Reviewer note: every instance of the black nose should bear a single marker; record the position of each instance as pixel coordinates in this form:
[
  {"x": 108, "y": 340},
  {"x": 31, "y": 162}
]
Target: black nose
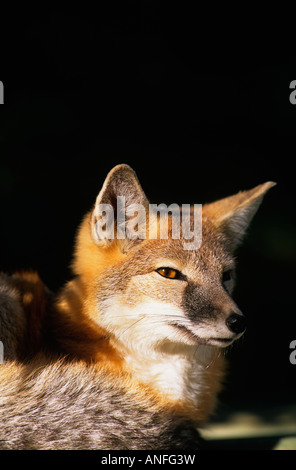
[{"x": 236, "y": 323}]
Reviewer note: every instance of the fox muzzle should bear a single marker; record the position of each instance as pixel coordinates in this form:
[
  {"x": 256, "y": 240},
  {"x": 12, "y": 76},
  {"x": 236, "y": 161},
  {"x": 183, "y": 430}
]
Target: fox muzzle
[{"x": 236, "y": 323}]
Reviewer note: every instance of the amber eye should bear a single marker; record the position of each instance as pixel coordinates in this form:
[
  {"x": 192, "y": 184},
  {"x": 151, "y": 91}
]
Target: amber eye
[
  {"x": 227, "y": 276},
  {"x": 169, "y": 273}
]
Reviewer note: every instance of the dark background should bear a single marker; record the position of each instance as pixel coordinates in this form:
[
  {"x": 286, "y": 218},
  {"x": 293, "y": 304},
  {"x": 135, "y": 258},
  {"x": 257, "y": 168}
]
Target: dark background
[{"x": 199, "y": 107}]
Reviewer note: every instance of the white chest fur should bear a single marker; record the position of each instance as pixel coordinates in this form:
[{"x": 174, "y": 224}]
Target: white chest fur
[
  {"x": 181, "y": 375},
  {"x": 153, "y": 351}
]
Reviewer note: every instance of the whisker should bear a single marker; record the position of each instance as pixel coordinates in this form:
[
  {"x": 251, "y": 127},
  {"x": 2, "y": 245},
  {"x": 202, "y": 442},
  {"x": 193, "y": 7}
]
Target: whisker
[
  {"x": 130, "y": 326},
  {"x": 166, "y": 317}
]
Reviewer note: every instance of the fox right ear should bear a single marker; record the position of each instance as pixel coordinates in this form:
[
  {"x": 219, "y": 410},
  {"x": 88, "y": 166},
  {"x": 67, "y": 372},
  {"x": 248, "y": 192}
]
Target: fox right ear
[
  {"x": 232, "y": 215},
  {"x": 121, "y": 190}
]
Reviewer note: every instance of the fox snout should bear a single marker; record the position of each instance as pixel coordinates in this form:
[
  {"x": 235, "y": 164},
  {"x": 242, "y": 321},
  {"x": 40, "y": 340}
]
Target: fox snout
[
  {"x": 214, "y": 315},
  {"x": 236, "y": 323},
  {"x": 232, "y": 321}
]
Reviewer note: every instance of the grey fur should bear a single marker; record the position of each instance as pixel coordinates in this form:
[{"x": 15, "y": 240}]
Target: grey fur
[{"x": 70, "y": 406}]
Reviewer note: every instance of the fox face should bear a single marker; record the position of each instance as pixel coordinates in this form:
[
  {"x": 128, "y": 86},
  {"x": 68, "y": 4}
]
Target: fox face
[
  {"x": 166, "y": 296},
  {"x": 149, "y": 292}
]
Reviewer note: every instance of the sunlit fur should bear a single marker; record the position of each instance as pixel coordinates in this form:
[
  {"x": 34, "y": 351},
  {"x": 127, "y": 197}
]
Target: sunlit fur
[
  {"x": 118, "y": 294},
  {"x": 164, "y": 337}
]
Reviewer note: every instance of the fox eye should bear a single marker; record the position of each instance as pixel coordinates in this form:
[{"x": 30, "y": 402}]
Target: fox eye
[
  {"x": 170, "y": 273},
  {"x": 227, "y": 276}
]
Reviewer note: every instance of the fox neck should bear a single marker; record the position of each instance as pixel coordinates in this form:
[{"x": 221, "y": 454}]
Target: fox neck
[{"x": 188, "y": 376}]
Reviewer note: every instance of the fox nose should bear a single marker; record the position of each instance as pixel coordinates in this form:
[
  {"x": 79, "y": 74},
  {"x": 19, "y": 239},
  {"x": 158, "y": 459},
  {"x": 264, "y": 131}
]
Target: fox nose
[{"x": 236, "y": 323}]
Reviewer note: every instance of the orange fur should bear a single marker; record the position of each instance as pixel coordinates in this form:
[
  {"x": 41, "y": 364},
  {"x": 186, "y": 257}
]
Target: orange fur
[{"x": 71, "y": 323}]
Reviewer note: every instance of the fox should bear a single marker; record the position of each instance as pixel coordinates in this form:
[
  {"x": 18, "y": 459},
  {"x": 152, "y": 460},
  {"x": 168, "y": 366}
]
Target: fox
[{"x": 129, "y": 354}]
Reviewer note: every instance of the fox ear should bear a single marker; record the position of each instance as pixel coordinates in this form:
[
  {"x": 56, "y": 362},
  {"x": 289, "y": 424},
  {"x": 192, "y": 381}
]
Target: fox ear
[
  {"x": 120, "y": 197},
  {"x": 233, "y": 214}
]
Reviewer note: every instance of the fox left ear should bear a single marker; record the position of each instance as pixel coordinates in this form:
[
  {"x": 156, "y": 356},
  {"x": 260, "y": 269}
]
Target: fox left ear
[
  {"x": 233, "y": 214},
  {"x": 120, "y": 197}
]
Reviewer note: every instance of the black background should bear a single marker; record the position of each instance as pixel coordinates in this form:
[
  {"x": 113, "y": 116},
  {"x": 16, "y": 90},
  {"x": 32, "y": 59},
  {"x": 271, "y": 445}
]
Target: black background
[{"x": 197, "y": 105}]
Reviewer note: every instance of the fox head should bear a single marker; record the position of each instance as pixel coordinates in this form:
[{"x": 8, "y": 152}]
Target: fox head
[{"x": 146, "y": 289}]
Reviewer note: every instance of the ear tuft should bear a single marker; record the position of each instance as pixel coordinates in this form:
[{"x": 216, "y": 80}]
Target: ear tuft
[{"x": 232, "y": 215}]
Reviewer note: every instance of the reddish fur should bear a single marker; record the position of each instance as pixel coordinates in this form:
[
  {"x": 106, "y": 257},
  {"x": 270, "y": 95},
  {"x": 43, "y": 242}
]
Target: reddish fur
[
  {"x": 33, "y": 295},
  {"x": 67, "y": 325}
]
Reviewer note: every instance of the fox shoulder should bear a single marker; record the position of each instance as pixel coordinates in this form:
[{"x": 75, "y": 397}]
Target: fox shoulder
[{"x": 83, "y": 409}]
